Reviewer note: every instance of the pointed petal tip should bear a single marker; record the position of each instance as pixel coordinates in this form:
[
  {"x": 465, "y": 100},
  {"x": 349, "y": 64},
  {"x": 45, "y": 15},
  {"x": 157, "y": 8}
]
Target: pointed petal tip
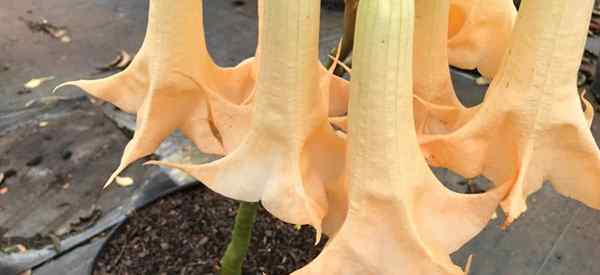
[
  {"x": 318, "y": 235},
  {"x": 116, "y": 173},
  {"x": 68, "y": 83},
  {"x": 88, "y": 86},
  {"x": 110, "y": 180},
  {"x": 152, "y": 162},
  {"x": 468, "y": 264}
]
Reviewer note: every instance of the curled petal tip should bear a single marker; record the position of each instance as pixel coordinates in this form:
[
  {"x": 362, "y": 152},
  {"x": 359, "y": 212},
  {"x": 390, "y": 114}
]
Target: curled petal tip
[
  {"x": 152, "y": 162},
  {"x": 318, "y": 235},
  {"x": 61, "y": 85},
  {"x": 468, "y": 264}
]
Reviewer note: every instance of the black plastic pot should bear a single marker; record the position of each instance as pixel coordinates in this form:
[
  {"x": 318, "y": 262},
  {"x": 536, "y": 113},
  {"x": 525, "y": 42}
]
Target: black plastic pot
[{"x": 149, "y": 191}]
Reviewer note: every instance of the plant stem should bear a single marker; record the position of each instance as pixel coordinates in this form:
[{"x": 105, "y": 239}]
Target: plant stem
[
  {"x": 231, "y": 263},
  {"x": 348, "y": 36}
]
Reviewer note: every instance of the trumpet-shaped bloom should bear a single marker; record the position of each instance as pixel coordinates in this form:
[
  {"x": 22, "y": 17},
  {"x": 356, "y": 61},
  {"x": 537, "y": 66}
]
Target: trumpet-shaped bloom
[
  {"x": 433, "y": 89},
  {"x": 173, "y": 83},
  {"x": 398, "y": 214},
  {"x": 479, "y": 33},
  {"x": 530, "y": 128},
  {"x": 291, "y": 159},
  {"x": 431, "y": 77},
  {"x": 470, "y": 34}
]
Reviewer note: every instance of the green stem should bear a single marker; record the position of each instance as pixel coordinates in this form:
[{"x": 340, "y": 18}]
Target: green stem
[
  {"x": 348, "y": 36},
  {"x": 231, "y": 263}
]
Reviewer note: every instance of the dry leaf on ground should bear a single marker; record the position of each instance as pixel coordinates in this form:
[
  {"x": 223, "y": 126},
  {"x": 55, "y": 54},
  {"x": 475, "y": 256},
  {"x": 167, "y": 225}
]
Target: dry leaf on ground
[{"x": 120, "y": 62}]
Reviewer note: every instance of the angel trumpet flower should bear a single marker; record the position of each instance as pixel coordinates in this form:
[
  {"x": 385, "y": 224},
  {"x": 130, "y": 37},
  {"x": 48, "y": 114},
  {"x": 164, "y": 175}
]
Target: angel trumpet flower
[
  {"x": 398, "y": 213},
  {"x": 433, "y": 88},
  {"x": 174, "y": 84},
  {"x": 530, "y": 127},
  {"x": 432, "y": 81},
  {"x": 471, "y": 34},
  {"x": 291, "y": 158},
  {"x": 479, "y": 33}
]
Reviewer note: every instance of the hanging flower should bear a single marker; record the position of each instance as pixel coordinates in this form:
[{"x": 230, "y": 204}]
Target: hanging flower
[
  {"x": 291, "y": 159},
  {"x": 401, "y": 219},
  {"x": 433, "y": 89},
  {"x": 530, "y": 127},
  {"x": 173, "y": 83}
]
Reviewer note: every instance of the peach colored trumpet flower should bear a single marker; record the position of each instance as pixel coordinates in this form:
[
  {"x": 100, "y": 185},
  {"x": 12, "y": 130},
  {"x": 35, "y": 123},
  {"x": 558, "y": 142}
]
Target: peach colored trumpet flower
[
  {"x": 530, "y": 128},
  {"x": 433, "y": 87},
  {"x": 398, "y": 214},
  {"x": 476, "y": 34},
  {"x": 479, "y": 33},
  {"x": 173, "y": 83},
  {"x": 431, "y": 77},
  {"x": 291, "y": 158}
]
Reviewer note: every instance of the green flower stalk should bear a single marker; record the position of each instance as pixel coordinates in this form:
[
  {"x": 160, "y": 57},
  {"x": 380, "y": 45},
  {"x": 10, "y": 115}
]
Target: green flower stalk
[{"x": 231, "y": 263}]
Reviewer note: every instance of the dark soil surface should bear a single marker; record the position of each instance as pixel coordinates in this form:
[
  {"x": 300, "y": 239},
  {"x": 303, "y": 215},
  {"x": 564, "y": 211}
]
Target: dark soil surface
[{"x": 186, "y": 233}]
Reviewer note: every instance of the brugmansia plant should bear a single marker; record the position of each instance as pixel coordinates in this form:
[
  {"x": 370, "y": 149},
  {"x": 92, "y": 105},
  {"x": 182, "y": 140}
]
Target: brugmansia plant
[{"x": 370, "y": 189}]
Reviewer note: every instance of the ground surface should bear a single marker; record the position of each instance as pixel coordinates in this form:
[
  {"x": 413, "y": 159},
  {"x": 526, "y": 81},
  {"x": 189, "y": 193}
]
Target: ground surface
[
  {"x": 556, "y": 235},
  {"x": 55, "y": 166},
  {"x": 185, "y": 234}
]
